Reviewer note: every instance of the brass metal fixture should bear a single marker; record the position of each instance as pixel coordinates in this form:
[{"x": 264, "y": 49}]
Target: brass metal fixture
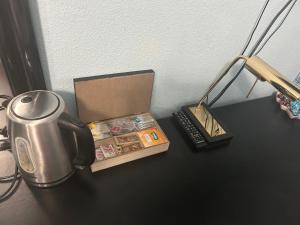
[{"x": 263, "y": 72}]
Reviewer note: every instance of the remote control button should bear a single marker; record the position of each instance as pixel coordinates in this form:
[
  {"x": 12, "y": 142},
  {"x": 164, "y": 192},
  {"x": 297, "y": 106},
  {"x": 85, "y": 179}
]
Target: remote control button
[{"x": 190, "y": 129}]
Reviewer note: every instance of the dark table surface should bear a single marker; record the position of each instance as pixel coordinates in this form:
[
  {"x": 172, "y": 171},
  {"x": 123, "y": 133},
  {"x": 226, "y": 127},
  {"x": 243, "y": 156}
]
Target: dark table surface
[{"x": 254, "y": 180}]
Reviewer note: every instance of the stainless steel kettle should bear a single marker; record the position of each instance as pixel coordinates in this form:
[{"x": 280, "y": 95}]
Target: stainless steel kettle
[{"x": 47, "y": 143}]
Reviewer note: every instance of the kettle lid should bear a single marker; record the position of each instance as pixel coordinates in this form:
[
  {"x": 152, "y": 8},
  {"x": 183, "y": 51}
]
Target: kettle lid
[{"x": 35, "y": 105}]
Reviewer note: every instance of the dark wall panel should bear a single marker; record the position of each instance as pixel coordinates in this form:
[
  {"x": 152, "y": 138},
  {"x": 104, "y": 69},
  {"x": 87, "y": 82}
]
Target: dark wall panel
[{"x": 18, "y": 48}]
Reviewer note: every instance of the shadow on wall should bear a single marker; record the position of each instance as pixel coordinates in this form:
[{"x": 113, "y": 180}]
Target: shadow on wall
[
  {"x": 177, "y": 89},
  {"x": 69, "y": 99},
  {"x": 37, "y": 28}
]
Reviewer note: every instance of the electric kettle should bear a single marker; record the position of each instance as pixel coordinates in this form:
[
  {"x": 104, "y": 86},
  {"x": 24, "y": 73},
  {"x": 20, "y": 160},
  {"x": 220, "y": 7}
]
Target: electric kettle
[{"x": 47, "y": 143}]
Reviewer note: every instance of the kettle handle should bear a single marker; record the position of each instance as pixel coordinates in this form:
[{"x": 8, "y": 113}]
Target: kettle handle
[{"x": 85, "y": 142}]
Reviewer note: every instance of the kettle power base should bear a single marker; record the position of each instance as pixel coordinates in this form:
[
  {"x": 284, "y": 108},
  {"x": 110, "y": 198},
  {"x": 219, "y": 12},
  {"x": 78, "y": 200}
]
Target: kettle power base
[
  {"x": 202, "y": 127},
  {"x": 51, "y": 184}
]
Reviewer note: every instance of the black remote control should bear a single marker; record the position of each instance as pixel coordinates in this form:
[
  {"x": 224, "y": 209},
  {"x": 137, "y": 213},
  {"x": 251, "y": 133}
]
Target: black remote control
[{"x": 190, "y": 130}]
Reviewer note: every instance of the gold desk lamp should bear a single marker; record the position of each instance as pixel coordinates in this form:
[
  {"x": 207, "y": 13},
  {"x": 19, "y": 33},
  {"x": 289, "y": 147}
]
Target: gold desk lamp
[{"x": 206, "y": 121}]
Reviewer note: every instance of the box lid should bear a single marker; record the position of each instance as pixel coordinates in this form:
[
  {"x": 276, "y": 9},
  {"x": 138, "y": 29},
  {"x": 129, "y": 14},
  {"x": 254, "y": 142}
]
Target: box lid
[{"x": 114, "y": 95}]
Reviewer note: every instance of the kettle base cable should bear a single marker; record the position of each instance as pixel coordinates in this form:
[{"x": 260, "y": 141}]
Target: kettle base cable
[
  {"x": 15, "y": 183},
  {"x": 14, "y": 179}
]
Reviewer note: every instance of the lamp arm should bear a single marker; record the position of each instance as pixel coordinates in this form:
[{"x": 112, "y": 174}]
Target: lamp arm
[
  {"x": 213, "y": 85},
  {"x": 263, "y": 72}
]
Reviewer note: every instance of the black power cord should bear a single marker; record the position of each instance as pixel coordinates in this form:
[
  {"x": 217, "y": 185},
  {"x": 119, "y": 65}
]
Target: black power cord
[
  {"x": 241, "y": 53},
  {"x": 258, "y": 43},
  {"x": 4, "y": 144},
  {"x": 14, "y": 179},
  {"x": 277, "y": 28},
  {"x": 255, "y": 26},
  {"x": 5, "y": 102}
]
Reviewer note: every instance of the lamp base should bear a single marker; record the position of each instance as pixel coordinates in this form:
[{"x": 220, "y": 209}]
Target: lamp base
[{"x": 204, "y": 120}]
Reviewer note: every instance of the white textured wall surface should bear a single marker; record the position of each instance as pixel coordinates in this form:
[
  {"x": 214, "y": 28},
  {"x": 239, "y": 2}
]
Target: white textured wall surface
[{"x": 186, "y": 42}]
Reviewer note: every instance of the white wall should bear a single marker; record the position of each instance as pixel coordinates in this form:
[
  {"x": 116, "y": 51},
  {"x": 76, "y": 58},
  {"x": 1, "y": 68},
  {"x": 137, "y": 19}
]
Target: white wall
[{"x": 186, "y": 42}]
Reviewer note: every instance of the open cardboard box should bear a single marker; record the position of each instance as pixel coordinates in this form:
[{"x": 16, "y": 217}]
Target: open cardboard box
[{"x": 119, "y": 97}]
